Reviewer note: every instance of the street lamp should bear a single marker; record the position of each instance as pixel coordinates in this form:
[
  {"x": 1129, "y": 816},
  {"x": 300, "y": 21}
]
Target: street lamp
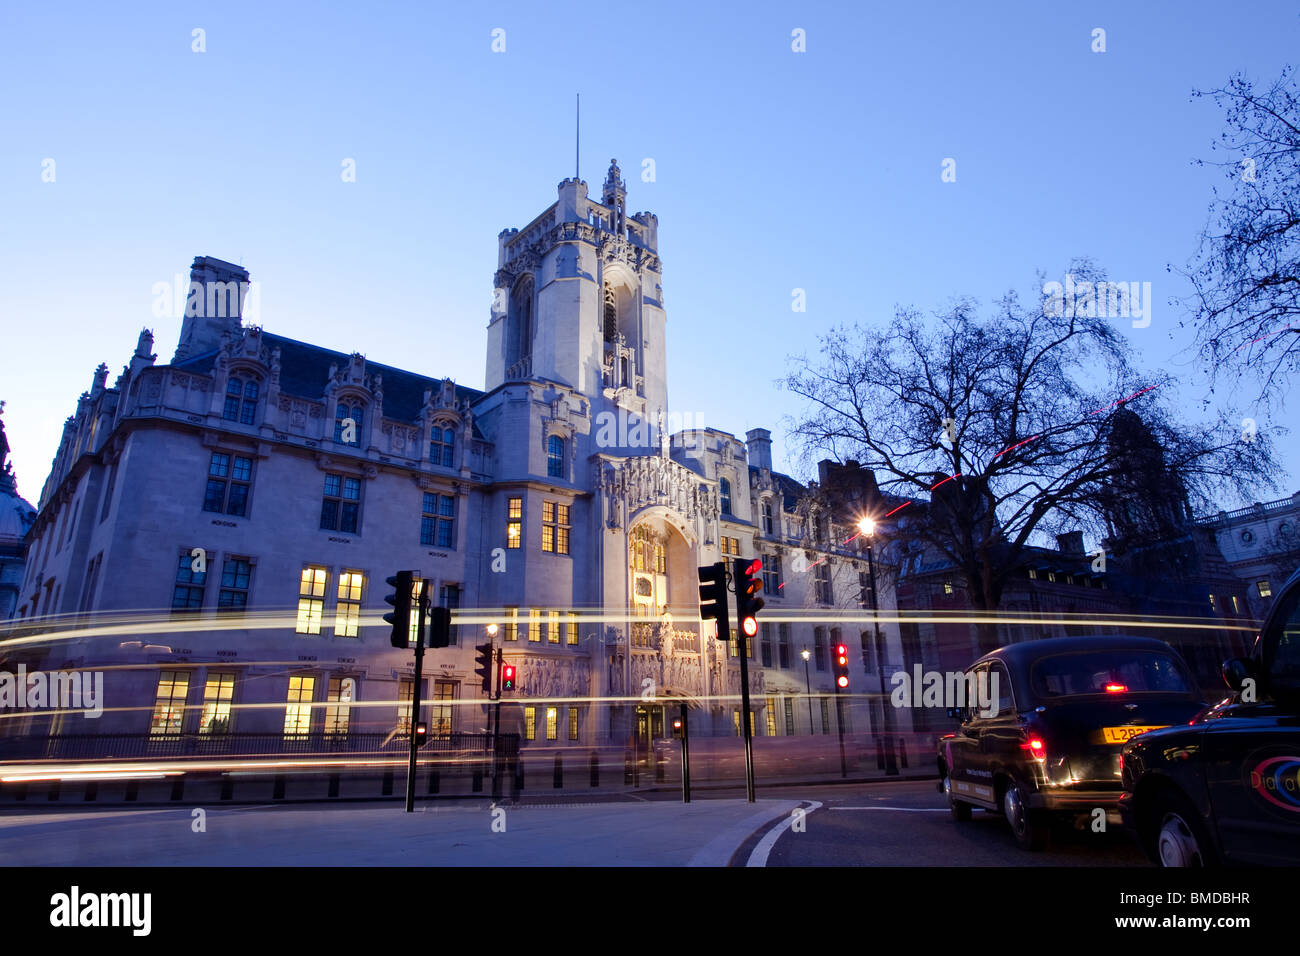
[
  {"x": 805, "y": 654},
  {"x": 868, "y": 527}
]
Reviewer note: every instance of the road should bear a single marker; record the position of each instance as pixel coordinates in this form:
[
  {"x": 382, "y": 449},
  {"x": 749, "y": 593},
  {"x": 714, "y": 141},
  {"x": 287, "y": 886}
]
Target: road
[{"x": 896, "y": 824}]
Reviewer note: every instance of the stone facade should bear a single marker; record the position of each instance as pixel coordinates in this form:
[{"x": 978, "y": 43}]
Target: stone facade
[{"x": 258, "y": 490}]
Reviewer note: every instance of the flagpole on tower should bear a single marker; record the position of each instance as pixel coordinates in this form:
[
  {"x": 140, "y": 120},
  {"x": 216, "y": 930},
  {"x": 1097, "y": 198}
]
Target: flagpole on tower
[{"x": 577, "y": 130}]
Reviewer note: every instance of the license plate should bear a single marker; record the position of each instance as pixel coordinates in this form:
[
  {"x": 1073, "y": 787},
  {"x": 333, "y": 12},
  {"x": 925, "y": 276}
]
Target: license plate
[{"x": 1119, "y": 735}]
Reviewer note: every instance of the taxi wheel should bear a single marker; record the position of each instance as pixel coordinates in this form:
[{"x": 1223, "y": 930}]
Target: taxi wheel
[
  {"x": 1180, "y": 840},
  {"x": 960, "y": 811},
  {"x": 1028, "y": 827}
]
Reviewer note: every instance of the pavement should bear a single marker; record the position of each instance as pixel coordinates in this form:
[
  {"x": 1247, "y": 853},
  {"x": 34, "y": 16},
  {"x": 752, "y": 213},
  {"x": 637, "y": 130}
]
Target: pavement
[{"x": 638, "y": 833}]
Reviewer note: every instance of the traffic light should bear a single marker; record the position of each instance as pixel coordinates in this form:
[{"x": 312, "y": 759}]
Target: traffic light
[
  {"x": 440, "y": 627},
  {"x": 841, "y": 666},
  {"x": 483, "y": 665},
  {"x": 421, "y": 734},
  {"x": 400, "y": 616},
  {"x": 749, "y": 582},
  {"x": 507, "y": 677},
  {"x": 713, "y": 597}
]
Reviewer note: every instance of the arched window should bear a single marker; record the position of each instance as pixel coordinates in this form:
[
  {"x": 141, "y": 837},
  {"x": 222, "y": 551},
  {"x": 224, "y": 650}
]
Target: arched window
[
  {"x": 767, "y": 516},
  {"x": 724, "y": 489},
  {"x": 611, "y": 314},
  {"x": 442, "y": 445},
  {"x": 241, "y": 400},
  {"x": 555, "y": 457},
  {"x": 520, "y": 329},
  {"x": 343, "y": 414}
]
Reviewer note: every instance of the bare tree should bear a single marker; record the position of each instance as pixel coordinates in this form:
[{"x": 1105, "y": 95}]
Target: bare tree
[
  {"x": 1246, "y": 274},
  {"x": 1006, "y": 426}
]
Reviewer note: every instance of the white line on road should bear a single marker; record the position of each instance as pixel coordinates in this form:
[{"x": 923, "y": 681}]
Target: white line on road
[
  {"x": 759, "y": 856},
  {"x": 899, "y": 809}
]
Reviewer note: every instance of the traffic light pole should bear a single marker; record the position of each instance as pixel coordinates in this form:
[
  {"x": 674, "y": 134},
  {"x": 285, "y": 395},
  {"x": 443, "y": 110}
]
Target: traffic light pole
[
  {"x": 891, "y": 764},
  {"x": 839, "y": 719},
  {"x": 416, "y": 702},
  {"x": 496, "y": 730},
  {"x": 744, "y": 703},
  {"x": 686, "y": 756}
]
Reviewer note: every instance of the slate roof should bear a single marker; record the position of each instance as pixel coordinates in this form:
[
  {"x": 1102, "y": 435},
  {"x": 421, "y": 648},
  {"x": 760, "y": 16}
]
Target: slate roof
[{"x": 304, "y": 372}]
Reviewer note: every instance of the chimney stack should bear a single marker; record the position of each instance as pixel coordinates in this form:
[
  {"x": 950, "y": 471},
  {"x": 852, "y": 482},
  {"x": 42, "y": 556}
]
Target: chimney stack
[{"x": 759, "y": 443}]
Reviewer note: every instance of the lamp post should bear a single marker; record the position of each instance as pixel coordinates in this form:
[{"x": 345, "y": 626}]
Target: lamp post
[
  {"x": 805, "y": 654},
  {"x": 868, "y": 528}
]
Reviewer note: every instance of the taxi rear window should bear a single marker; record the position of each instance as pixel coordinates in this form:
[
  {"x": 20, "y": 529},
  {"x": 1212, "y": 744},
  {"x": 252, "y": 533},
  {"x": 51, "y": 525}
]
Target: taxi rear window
[{"x": 1089, "y": 672}]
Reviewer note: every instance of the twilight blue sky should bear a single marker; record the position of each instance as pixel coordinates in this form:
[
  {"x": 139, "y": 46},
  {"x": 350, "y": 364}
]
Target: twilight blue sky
[{"x": 775, "y": 170}]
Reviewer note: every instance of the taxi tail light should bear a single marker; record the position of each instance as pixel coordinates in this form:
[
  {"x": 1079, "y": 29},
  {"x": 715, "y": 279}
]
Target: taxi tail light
[
  {"x": 1114, "y": 687},
  {"x": 1037, "y": 749}
]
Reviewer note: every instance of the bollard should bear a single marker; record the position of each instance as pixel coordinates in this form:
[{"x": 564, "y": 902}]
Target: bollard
[
  {"x": 595, "y": 770},
  {"x": 178, "y": 789},
  {"x": 557, "y": 781},
  {"x": 519, "y": 775},
  {"x": 434, "y": 782},
  {"x": 476, "y": 782},
  {"x": 92, "y": 791},
  {"x": 334, "y": 785},
  {"x": 902, "y": 752},
  {"x": 227, "y": 789},
  {"x": 277, "y": 792},
  {"x": 387, "y": 789},
  {"x": 659, "y": 767},
  {"x": 880, "y": 754},
  {"x": 627, "y": 768}
]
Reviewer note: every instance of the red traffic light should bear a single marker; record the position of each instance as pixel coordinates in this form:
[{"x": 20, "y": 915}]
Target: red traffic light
[
  {"x": 750, "y": 625},
  {"x": 507, "y": 676},
  {"x": 842, "y": 680}
]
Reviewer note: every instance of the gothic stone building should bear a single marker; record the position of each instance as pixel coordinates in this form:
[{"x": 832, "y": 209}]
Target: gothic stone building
[{"x": 259, "y": 490}]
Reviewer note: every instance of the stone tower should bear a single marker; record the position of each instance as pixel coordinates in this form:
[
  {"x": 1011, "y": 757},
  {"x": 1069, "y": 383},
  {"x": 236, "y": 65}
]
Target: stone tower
[{"x": 578, "y": 301}]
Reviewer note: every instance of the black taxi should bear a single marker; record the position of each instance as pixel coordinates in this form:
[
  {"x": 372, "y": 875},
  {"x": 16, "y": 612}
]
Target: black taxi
[
  {"x": 1226, "y": 788},
  {"x": 1049, "y": 745}
]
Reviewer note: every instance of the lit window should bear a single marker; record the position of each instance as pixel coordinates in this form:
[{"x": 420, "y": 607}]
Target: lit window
[
  {"x": 218, "y": 692},
  {"x": 338, "y": 714},
  {"x": 571, "y": 629},
  {"x": 553, "y": 632},
  {"x": 1265, "y": 589},
  {"x": 346, "y": 415},
  {"x": 341, "y": 504},
  {"x": 443, "y": 691},
  {"x": 1236, "y": 607},
  {"x": 552, "y": 719},
  {"x": 348, "y": 619},
  {"x": 1051, "y": 576},
  {"x": 297, "y": 715},
  {"x": 241, "y": 401},
  {"x": 512, "y": 624},
  {"x": 947, "y": 586},
  {"x": 169, "y": 703},
  {"x": 311, "y": 599},
  {"x": 442, "y": 445},
  {"x": 770, "y": 713},
  {"x": 555, "y": 527},
  {"x": 187, "y": 595},
  {"x": 406, "y": 695},
  {"x": 229, "y": 478},
  {"x": 1212, "y": 604},
  {"x": 573, "y": 722},
  {"x": 438, "y": 521},
  {"x": 514, "y": 522},
  {"x": 534, "y": 625},
  {"x": 530, "y": 723},
  {"x": 555, "y": 457},
  {"x": 1033, "y": 574}
]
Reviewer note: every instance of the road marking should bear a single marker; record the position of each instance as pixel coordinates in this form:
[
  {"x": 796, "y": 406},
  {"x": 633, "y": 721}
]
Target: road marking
[
  {"x": 899, "y": 809},
  {"x": 764, "y": 847}
]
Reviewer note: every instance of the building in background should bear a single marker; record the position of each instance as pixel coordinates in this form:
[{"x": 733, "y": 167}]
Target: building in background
[
  {"x": 258, "y": 490},
  {"x": 16, "y": 519}
]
